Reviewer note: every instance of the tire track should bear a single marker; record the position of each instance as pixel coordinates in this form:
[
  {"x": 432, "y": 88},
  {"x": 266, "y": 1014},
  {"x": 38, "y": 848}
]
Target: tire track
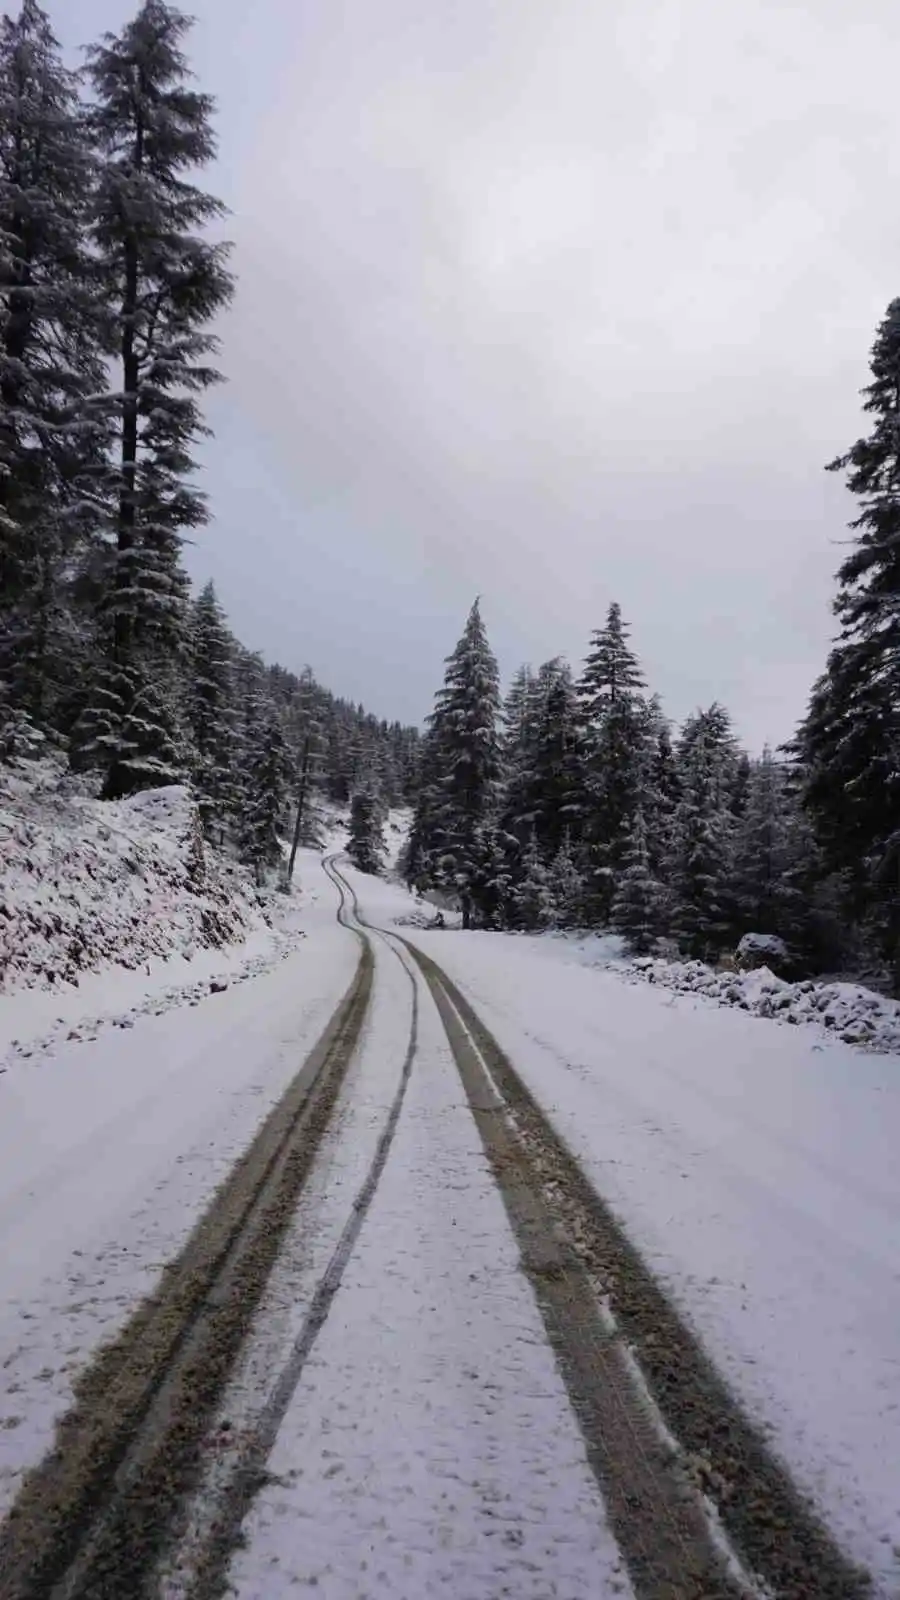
[
  {"x": 91, "y": 1518},
  {"x": 247, "y": 1472},
  {"x": 576, "y": 1255}
]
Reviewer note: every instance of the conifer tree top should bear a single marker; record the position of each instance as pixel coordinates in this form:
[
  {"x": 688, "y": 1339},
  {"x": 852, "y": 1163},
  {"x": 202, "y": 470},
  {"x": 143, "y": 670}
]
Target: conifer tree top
[
  {"x": 870, "y": 576},
  {"x": 141, "y": 77},
  {"x": 611, "y": 671}
]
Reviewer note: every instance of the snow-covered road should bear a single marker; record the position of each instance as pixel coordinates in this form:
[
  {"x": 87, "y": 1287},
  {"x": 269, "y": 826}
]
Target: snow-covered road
[
  {"x": 111, "y": 1148},
  {"x": 420, "y": 1437},
  {"x": 429, "y": 1448},
  {"x": 756, "y": 1168}
]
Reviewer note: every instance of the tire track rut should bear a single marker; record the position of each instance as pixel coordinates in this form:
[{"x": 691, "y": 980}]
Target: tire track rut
[
  {"x": 578, "y": 1258},
  {"x": 90, "y": 1520}
]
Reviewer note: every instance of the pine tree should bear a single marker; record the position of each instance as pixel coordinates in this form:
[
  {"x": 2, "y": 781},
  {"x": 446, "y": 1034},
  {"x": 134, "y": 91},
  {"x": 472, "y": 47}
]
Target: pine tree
[
  {"x": 210, "y": 713},
  {"x": 466, "y": 757},
  {"x": 658, "y": 791},
  {"x": 637, "y": 907},
  {"x": 611, "y": 671},
  {"x": 612, "y": 719},
  {"x": 518, "y": 743},
  {"x": 566, "y": 887},
  {"x": 849, "y": 744},
  {"x": 702, "y": 912},
  {"x": 165, "y": 283},
  {"x": 417, "y": 864},
  {"x": 533, "y": 905},
  {"x": 773, "y": 858},
  {"x": 52, "y": 431},
  {"x": 266, "y": 795},
  {"x": 366, "y": 846},
  {"x": 550, "y": 786}
]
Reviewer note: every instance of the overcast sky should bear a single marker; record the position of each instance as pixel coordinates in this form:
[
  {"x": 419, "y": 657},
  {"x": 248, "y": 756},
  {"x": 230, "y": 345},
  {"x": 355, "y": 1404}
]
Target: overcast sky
[{"x": 558, "y": 301}]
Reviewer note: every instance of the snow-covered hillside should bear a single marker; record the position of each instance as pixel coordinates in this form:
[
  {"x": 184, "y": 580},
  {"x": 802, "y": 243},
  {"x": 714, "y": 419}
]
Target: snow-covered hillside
[{"x": 87, "y": 885}]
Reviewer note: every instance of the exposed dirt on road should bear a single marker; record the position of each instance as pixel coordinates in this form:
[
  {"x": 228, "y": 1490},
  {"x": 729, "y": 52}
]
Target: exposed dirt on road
[
  {"x": 90, "y": 1519},
  {"x": 578, "y": 1256}
]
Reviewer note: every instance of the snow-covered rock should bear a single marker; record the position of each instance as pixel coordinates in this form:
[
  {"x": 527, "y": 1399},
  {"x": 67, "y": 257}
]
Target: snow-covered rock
[
  {"x": 854, "y": 1014},
  {"x": 86, "y": 884},
  {"x": 762, "y": 950}
]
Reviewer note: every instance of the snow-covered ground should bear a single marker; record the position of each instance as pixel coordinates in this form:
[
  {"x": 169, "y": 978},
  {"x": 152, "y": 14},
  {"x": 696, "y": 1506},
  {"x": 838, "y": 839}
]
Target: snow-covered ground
[
  {"x": 108, "y": 913},
  {"x": 854, "y": 1014},
  {"x": 429, "y": 1448},
  {"x": 110, "y": 1149},
  {"x": 755, "y": 1165},
  {"x": 86, "y": 886}
]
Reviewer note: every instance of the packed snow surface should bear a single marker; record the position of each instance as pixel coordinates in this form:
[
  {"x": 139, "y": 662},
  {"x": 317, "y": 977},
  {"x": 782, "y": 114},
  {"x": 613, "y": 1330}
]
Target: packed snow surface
[
  {"x": 430, "y": 1448},
  {"x": 111, "y": 1145},
  {"x": 754, "y": 1165}
]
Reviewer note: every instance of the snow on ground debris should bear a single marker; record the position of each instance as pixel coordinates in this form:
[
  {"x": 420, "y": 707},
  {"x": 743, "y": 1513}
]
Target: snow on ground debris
[
  {"x": 88, "y": 884},
  {"x": 854, "y": 1014}
]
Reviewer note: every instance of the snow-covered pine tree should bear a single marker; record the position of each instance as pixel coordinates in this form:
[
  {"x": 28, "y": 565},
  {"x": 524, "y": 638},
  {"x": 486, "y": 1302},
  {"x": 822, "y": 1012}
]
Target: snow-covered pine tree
[
  {"x": 365, "y": 845},
  {"x": 556, "y": 791},
  {"x": 165, "y": 282},
  {"x": 773, "y": 858},
  {"x": 210, "y": 705},
  {"x": 612, "y": 720},
  {"x": 566, "y": 887},
  {"x": 849, "y": 744},
  {"x": 659, "y": 790},
  {"x": 52, "y": 432},
  {"x": 518, "y": 740},
  {"x": 542, "y": 791},
  {"x": 417, "y": 859},
  {"x": 268, "y": 785},
  {"x": 702, "y": 911},
  {"x": 741, "y": 783},
  {"x": 532, "y": 903},
  {"x": 637, "y": 906},
  {"x": 468, "y": 764}
]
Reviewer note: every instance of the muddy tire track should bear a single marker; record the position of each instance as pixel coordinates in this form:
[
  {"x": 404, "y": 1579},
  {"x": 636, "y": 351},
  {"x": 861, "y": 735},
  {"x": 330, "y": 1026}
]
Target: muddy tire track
[
  {"x": 90, "y": 1520},
  {"x": 247, "y": 1473},
  {"x": 578, "y": 1256}
]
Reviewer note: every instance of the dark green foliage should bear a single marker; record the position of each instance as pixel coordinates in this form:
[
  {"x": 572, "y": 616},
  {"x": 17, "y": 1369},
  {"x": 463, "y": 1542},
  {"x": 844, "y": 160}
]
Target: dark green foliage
[
  {"x": 164, "y": 282},
  {"x": 453, "y": 831},
  {"x": 210, "y": 713},
  {"x": 366, "y": 846},
  {"x": 613, "y": 725},
  {"x": 774, "y": 858},
  {"x": 637, "y": 906},
  {"x": 52, "y": 434},
  {"x": 702, "y": 916},
  {"x": 264, "y": 807},
  {"x": 849, "y": 744}
]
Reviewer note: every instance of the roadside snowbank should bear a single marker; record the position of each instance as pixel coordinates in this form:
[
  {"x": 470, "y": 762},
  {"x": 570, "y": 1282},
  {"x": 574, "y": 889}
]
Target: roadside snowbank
[
  {"x": 111, "y": 1149},
  {"x": 87, "y": 885},
  {"x": 855, "y": 1015}
]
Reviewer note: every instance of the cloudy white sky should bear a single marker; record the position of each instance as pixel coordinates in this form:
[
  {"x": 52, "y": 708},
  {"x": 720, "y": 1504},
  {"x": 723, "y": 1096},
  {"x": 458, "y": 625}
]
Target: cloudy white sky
[{"x": 555, "y": 302}]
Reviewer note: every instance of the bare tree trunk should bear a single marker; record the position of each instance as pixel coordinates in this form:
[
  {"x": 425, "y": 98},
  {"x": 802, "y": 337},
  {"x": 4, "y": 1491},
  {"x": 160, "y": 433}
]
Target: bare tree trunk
[{"x": 298, "y": 822}]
